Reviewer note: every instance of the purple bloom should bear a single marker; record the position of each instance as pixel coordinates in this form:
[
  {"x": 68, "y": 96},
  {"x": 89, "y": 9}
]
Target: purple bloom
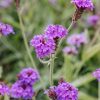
[
  {"x": 93, "y": 20},
  {"x": 77, "y": 40},
  {"x": 84, "y": 4},
  {"x": 22, "y": 90},
  {"x": 70, "y": 50},
  {"x": 5, "y": 3},
  {"x": 4, "y": 89},
  {"x": 64, "y": 91},
  {"x": 43, "y": 45},
  {"x": 96, "y": 74},
  {"x": 28, "y": 75},
  {"x": 6, "y": 29},
  {"x": 56, "y": 31}
]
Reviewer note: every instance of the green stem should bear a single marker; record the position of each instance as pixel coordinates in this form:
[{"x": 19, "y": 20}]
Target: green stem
[
  {"x": 70, "y": 26},
  {"x": 51, "y": 70},
  {"x": 98, "y": 90},
  {"x": 25, "y": 40}
]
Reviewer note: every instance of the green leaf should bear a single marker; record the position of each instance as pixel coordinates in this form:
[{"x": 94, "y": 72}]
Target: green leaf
[{"x": 68, "y": 68}]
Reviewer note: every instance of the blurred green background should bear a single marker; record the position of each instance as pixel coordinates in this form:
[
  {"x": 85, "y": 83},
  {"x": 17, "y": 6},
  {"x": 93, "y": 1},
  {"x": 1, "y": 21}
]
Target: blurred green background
[{"x": 36, "y": 15}]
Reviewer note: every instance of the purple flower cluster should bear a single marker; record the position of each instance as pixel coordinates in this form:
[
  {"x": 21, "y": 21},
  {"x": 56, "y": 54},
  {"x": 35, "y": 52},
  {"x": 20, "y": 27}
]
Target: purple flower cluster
[
  {"x": 56, "y": 31},
  {"x": 46, "y": 44},
  {"x": 28, "y": 76},
  {"x": 5, "y": 3},
  {"x": 77, "y": 40},
  {"x": 22, "y": 90},
  {"x": 23, "y": 87},
  {"x": 6, "y": 29},
  {"x": 70, "y": 50},
  {"x": 64, "y": 91},
  {"x": 93, "y": 20},
  {"x": 4, "y": 89},
  {"x": 96, "y": 74},
  {"x": 43, "y": 46},
  {"x": 84, "y": 4}
]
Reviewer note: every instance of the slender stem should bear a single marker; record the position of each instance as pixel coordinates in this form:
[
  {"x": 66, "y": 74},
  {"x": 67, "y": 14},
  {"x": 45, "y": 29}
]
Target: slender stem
[
  {"x": 70, "y": 26},
  {"x": 98, "y": 90},
  {"x": 25, "y": 40},
  {"x": 51, "y": 70}
]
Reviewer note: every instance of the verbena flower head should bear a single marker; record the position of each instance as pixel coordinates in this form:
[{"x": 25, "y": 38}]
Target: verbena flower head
[
  {"x": 56, "y": 31},
  {"x": 84, "y": 4},
  {"x": 77, "y": 39},
  {"x": 43, "y": 45},
  {"x": 70, "y": 50},
  {"x": 4, "y": 89},
  {"x": 6, "y": 29},
  {"x": 64, "y": 91},
  {"x": 21, "y": 90},
  {"x": 93, "y": 20},
  {"x": 28, "y": 75},
  {"x": 96, "y": 74}
]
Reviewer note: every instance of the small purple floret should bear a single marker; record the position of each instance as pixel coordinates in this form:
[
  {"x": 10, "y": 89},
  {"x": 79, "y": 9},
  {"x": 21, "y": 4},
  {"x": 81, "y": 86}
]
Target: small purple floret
[{"x": 96, "y": 74}]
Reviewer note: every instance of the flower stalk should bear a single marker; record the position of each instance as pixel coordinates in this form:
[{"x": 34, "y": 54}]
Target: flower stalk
[{"x": 51, "y": 70}]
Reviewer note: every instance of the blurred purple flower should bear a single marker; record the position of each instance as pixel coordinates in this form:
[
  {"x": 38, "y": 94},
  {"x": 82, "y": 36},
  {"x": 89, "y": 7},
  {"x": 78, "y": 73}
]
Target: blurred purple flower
[
  {"x": 5, "y": 3},
  {"x": 64, "y": 91},
  {"x": 93, "y": 20},
  {"x": 4, "y": 89},
  {"x": 77, "y": 39},
  {"x": 6, "y": 29},
  {"x": 70, "y": 50},
  {"x": 84, "y": 4},
  {"x": 43, "y": 45},
  {"x": 56, "y": 31},
  {"x": 22, "y": 90},
  {"x": 96, "y": 74},
  {"x": 53, "y": 2},
  {"x": 28, "y": 75}
]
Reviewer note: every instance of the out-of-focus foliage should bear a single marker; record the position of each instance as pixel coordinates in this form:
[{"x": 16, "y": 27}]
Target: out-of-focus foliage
[{"x": 37, "y": 14}]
